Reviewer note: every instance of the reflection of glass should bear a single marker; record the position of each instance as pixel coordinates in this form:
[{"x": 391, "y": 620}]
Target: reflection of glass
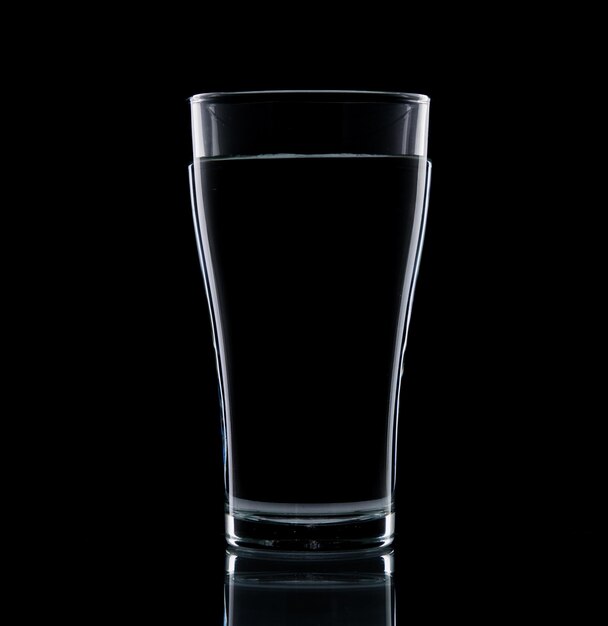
[
  {"x": 309, "y": 211},
  {"x": 264, "y": 589}
]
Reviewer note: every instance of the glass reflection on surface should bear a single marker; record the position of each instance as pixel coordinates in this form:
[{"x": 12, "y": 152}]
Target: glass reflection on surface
[{"x": 354, "y": 589}]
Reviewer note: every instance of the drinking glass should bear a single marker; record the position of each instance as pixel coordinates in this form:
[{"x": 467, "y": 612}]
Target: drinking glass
[{"x": 309, "y": 211}]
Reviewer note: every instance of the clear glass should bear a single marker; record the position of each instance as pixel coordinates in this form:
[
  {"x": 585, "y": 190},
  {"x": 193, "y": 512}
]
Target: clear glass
[
  {"x": 309, "y": 210},
  {"x": 273, "y": 589}
]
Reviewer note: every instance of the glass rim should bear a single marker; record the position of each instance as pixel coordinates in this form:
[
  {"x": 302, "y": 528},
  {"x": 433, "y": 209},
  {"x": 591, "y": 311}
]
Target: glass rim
[{"x": 300, "y": 95}]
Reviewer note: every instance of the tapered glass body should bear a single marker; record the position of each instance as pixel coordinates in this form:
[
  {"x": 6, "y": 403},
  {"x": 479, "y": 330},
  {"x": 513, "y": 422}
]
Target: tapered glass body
[{"x": 309, "y": 211}]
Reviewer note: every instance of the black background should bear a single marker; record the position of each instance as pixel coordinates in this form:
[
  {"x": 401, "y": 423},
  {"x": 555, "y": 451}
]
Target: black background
[{"x": 499, "y": 445}]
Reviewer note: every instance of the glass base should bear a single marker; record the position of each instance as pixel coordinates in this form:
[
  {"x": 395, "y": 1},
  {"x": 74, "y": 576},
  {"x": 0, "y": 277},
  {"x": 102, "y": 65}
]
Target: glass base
[{"x": 310, "y": 533}]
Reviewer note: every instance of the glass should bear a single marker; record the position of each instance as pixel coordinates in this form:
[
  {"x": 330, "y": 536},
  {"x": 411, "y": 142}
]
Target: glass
[
  {"x": 265, "y": 589},
  {"x": 309, "y": 211}
]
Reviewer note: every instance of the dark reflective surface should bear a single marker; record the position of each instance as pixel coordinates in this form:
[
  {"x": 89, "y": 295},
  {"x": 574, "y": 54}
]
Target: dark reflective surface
[{"x": 354, "y": 589}]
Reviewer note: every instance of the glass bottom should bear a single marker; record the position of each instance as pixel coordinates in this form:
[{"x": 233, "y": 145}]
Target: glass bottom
[{"x": 310, "y": 532}]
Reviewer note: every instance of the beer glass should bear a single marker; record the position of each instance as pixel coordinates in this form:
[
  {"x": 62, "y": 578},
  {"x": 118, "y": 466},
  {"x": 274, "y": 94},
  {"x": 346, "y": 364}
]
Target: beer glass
[{"x": 309, "y": 211}]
